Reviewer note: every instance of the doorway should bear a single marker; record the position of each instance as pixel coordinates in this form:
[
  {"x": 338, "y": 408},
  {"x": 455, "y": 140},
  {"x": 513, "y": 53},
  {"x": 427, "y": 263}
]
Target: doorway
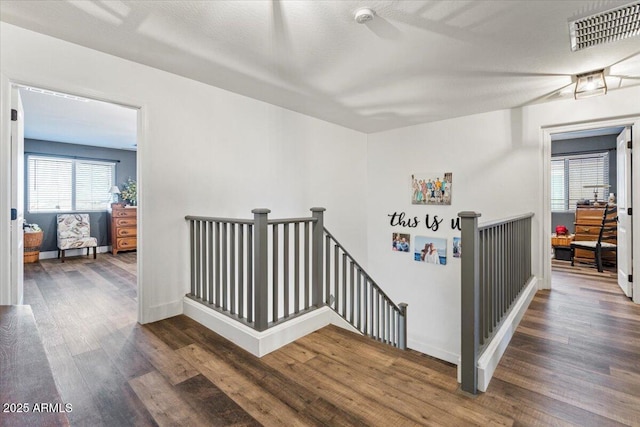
[
  {"x": 92, "y": 144},
  {"x": 585, "y": 166}
]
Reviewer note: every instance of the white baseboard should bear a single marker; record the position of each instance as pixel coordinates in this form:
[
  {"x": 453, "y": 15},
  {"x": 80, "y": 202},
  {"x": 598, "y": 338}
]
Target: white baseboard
[
  {"x": 544, "y": 283},
  {"x": 73, "y": 252},
  {"x": 262, "y": 343},
  {"x": 162, "y": 311},
  {"x": 489, "y": 360},
  {"x": 438, "y": 353}
]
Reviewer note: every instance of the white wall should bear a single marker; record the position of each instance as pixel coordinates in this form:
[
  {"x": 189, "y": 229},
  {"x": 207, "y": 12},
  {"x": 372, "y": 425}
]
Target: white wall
[
  {"x": 497, "y": 164},
  {"x": 205, "y": 151}
]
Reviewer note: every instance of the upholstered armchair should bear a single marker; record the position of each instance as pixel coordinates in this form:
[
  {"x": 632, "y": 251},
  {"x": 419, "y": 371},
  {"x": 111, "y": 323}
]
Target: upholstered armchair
[{"x": 74, "y": 232}]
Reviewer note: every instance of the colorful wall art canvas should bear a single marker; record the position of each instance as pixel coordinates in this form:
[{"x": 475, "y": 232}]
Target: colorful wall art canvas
[
  {"x": 400, "y": 242},
  {"x": 431, "y": 250},
  {"x": 457, "y": 247},
  {"x": 431, "y": 188}
]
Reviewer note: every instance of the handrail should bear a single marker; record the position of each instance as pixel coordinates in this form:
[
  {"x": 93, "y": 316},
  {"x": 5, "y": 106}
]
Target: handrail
[
  {"x": 291, "y": 220},
  {"x": 218, "y": 219},
  {"x": 248, "y": 221},
  {"x": 496, "y": 222}
]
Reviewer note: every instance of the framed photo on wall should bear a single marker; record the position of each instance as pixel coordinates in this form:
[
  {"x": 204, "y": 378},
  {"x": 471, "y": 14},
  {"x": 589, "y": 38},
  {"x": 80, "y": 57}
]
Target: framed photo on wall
[
  {"x": 432, "y": 250},
  {"x": 431, "y": 188},
  {"x": 400, "y": 242},
  {"x": 457, "y": 247}
]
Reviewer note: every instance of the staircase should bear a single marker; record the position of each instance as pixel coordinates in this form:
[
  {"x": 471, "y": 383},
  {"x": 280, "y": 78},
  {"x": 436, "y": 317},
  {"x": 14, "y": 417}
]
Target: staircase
[{"x": 271, "y": 278}]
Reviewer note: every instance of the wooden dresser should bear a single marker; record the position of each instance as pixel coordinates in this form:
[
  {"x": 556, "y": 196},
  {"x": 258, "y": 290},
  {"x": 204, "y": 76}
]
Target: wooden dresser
[
  {"x": 123, "y": 223},
  {"x": 587, "y": 226}
]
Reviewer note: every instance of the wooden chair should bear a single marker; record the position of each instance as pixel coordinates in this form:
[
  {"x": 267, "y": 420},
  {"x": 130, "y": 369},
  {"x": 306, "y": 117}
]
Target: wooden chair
[
  {"x": 74, "y": 233},
  {"x": 607, "y": 238}
]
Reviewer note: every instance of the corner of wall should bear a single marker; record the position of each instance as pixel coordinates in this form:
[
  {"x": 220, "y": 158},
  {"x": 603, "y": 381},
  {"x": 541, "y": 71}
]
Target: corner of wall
[{"x": 162, "y": 311}]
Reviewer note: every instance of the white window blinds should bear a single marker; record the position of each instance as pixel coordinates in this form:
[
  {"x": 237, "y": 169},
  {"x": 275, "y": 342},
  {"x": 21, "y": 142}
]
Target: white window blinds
[
  {"x": 573, "y": 178},
  {"x": 63, "y": 184},
  {"x": 558, "y": 193},
  {"x": 93, "y": 182},
  {"x": 50, "y": 183}
]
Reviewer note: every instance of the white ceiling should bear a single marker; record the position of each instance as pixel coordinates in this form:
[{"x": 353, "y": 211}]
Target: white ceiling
[
  {"x": 416, "y": 62},
  {"x": 49, "y": 116}
]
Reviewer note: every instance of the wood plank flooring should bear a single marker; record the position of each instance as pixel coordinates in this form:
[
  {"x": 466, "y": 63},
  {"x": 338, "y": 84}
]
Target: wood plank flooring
[
  {"x": 575, "y": 360},
  {"x": 21, "y": 354},
  {"x": 113, "y": 371}
]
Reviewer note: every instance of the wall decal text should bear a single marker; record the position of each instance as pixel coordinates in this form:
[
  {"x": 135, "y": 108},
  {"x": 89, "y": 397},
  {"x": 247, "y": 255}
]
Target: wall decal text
[{"x": 400, "y": 219}]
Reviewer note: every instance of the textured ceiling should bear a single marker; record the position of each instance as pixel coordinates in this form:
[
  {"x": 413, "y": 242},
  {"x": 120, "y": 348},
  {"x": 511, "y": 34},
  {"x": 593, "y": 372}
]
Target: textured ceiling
[
  {"x": 416, "y": 62},
  {"x": 50, "y": 117}
]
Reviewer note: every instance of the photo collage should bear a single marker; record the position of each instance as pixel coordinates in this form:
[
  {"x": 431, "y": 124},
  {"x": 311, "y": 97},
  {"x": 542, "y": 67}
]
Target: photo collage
[
  {"x": 431, "y": 250},
  {"x": 428, "y": 189}
]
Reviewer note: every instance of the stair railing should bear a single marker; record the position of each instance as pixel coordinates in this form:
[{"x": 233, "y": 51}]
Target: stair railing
[
  {"x": 355, "y": 296},
  {"x": 496, "y": 267},
  {"x": 264, "y": 271}
]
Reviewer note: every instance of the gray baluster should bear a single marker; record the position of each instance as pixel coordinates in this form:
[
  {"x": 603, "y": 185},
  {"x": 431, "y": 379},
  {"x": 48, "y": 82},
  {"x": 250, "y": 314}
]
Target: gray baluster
[
  {"x": 402, "y": 326},
  {"x": 225, "y": 266},
  {"x": 336, "y": 275},
  {"x": 203, "y": 260},
  {"x": 365, "y": 305},
  {"x": 296, "y": 267},
  {"x": 344, "y": 285},
  {"x": 388, "y": 320},
  {"x": 351, "y": 291},
  {"x": 198, "y": 259},
  {"x": 327, "y": 263},
  {"x": 193, "y": 256},
  {"x": 218, "y": 268},
  {"x": 285, "y": 271},
  {"x": 318, "y": 232},
  {"x": 232, "y": 268},
  {"x": 307, "y": 270},
  {"x": 274, "y": 272},
  {"x": 241, "y": 271},
  {"x": 371, "y": 312},
  {"x": 250, "y": 293},
  {"x": 210, "y": 261},
  {"x": 359, "y": 300}
]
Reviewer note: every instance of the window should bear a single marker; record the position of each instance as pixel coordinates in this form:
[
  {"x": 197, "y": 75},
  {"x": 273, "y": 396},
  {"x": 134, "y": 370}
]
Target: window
[
  {"x": 572, "y": 175},
  {"x": 63, "y": 184}
]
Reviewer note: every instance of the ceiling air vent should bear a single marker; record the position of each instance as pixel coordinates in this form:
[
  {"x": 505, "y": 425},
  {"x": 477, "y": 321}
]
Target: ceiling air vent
[{"x": 605, "y": 27}]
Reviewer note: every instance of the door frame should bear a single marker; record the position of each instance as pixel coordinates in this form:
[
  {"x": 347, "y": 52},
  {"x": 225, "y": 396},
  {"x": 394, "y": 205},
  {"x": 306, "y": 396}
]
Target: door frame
[
  {"x": 634, "y": 123},
  {"x": 5, "y": 190},
  {"x": 6, "y": 84},
  {"x": 17, "y": 198}
]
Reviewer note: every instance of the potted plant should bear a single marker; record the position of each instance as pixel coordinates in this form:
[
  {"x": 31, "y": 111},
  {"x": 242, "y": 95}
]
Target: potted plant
[{"x": 129, "y": 192}]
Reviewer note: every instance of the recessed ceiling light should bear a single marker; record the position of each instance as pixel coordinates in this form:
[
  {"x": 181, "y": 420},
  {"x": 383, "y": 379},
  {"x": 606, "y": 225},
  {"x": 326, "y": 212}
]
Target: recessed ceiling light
[{"x": 364, "y": 15}]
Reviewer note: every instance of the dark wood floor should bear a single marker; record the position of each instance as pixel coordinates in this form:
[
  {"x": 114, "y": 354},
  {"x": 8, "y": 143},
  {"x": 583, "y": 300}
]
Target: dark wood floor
[
  {"x": 21, "y": 354},
  {"x": 575, "y": 360}
]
